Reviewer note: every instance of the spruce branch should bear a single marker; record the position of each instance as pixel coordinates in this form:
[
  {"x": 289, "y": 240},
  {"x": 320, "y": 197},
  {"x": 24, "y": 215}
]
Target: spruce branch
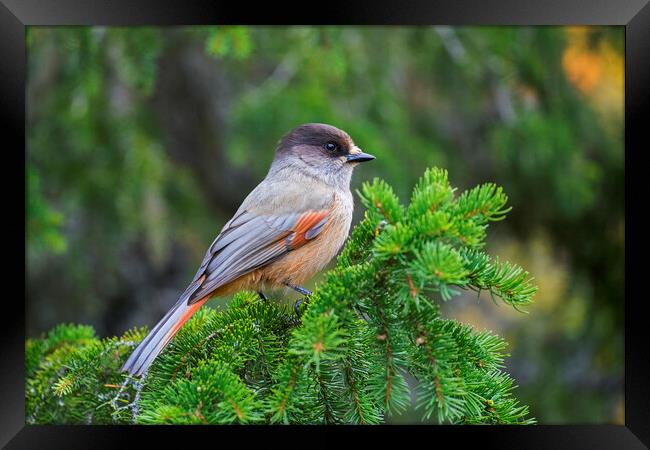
[{"x": 372, "y": 322}]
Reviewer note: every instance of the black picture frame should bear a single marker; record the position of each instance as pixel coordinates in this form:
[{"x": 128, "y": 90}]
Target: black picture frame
[{"x": 634, "y": 15}]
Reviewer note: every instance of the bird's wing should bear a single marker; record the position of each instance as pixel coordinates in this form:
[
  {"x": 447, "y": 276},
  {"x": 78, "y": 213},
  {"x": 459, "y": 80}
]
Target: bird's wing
[{"x": 249, "y": 241}]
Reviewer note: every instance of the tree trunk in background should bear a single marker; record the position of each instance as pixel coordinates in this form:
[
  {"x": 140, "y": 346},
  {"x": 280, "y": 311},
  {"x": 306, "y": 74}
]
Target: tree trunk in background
[{"x": 191, "y": 102}]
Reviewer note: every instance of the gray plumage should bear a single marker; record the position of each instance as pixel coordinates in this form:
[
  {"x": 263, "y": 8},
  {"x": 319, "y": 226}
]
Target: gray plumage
[{"x": 306, "y": 191}]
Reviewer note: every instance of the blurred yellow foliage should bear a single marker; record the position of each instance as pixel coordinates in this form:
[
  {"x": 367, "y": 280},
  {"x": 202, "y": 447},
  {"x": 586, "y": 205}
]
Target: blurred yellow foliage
[
  {"x": 596, "y": 69},
  {"x": 551, "y": 274},
  {"x": 618, "y": 416},
  {"x": 544, "y": 262}
]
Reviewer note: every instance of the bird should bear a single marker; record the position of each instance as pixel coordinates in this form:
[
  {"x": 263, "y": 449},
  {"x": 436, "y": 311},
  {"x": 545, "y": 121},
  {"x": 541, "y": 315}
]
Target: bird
[{"x": 286, "y": 230}]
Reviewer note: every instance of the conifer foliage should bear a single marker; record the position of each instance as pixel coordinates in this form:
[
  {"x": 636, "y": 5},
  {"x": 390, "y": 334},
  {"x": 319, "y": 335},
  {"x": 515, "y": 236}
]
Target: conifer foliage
[{"x": 344, "y": 359}]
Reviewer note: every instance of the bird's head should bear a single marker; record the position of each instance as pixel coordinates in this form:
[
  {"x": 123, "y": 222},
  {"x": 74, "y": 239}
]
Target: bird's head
[{"x": 321, "y": 151}]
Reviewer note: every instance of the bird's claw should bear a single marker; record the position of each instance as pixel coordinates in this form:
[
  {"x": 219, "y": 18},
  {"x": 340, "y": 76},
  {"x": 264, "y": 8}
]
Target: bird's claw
[
  {"x": 296, "y": 306},
  {"x": 303, "y": 291}
]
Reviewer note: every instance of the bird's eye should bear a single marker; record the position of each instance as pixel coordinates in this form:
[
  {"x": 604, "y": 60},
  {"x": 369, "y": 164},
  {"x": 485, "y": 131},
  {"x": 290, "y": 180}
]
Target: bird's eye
[{"x": 331, "y": 146}]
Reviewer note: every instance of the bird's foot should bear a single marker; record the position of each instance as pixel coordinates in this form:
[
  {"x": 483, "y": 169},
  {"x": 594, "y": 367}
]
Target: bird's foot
[
  {"x": 300, "y": 289},
  {"x": 296, "y": 306},
  {"x": 262, "y": 296},
  {"x": 307, "y": 293}
]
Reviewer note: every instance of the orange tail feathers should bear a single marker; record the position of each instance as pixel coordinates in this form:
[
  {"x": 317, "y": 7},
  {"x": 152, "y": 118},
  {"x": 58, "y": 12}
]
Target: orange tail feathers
[{"x": 154, "y": 343}]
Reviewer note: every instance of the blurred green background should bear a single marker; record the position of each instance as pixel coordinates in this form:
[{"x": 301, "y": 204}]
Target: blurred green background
[{"x": 143, "y": 141}]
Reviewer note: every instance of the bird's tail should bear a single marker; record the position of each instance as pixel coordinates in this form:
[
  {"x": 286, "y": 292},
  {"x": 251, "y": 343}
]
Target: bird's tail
[{"x": 151, "y": 346}]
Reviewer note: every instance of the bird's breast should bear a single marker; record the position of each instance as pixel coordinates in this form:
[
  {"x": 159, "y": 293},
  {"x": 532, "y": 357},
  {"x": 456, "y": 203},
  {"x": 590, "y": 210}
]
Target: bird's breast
[{"x": 301, "y": 264}]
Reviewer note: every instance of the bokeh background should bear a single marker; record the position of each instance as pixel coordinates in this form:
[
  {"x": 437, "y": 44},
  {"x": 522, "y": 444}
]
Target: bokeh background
[{"x": 143, "y": 141}]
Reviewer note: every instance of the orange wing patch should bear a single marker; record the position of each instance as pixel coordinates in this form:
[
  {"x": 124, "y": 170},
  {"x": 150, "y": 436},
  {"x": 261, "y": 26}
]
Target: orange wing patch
[{"x": 307, "y": 228}]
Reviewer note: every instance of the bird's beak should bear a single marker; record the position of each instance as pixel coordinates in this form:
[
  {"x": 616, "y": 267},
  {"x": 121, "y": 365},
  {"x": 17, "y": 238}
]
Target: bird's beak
[{"x": 357, "y": 156}]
